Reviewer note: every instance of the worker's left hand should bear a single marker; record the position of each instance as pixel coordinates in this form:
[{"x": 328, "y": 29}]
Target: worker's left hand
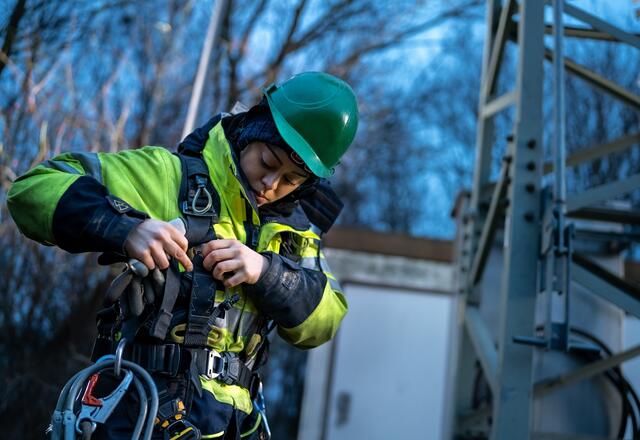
[{"x": 243, "y": 264}]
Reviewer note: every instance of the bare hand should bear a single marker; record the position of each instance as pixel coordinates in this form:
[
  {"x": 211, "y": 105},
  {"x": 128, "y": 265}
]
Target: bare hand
[
  {"x": 230, "y": 256},
  {"x": 153, "y": 241}
]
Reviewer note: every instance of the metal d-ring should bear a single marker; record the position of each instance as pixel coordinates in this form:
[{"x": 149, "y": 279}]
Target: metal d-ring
[
  {"x": 118, "y": 358},
  {"x": 195, "y": 199}
]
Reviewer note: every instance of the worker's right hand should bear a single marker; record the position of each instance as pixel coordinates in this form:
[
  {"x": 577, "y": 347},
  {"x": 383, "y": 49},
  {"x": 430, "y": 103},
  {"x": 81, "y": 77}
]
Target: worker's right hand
[{"x": 152, "y": 241}]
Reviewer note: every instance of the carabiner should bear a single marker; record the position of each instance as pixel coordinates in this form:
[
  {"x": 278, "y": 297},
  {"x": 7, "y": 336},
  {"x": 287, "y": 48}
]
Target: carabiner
[
  {"x": 259, "y": 405},
  {"x": 118, "y": 359},
  {"x": 97, "y": 410}
]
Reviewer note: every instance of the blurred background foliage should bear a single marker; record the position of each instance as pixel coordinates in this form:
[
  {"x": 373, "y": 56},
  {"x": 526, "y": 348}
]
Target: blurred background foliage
[{"x": 106, "y": 75}]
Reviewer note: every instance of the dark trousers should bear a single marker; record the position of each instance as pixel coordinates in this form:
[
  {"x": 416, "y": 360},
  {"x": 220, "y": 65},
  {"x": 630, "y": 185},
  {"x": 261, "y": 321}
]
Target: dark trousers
[{"x": 206, "y": 413}]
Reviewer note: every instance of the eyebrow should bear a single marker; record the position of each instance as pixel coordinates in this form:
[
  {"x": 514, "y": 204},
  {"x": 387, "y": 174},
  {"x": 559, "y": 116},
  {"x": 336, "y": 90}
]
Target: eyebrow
[
  {"x": 270, "y": 147},
  {"x": 274, "y": 153}
]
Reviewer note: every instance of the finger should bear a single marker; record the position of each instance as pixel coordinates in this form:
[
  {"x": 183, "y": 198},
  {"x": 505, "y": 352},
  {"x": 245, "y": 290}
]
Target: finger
[
  {"x": 221, "y": 244},
  {"x": 226, "y": 266},
  {"x": 146, "y": 259},
  {"x": 236, "y": 279},
  {"x": 217, "y": 256},
  {"x": 206, "y": 248},
  {"x": 179, "y": 238},
  {"x": 159, "y": 256},
  {"x": 175, "y": 251}
]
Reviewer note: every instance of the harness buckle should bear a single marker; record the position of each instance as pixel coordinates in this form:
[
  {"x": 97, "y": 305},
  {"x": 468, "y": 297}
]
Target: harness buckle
[
  {"x": 231, "y": 372},
  {"x": 226, "y": 367},
  {"x": 216, "y": 364}
]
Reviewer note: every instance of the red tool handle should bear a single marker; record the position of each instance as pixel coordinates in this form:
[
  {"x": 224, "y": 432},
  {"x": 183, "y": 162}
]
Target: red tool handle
[{"x": 87, "y": 398}]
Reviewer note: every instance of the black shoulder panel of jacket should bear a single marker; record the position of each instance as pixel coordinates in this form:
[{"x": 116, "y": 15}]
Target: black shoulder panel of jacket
[
  {"x": 287, "y": 292},
  {"x": 88, "y": 219},
  {"x": 323, "y": 206},
  {"x": 194, "y": 143},
  {"x": 293, "y": 216}
]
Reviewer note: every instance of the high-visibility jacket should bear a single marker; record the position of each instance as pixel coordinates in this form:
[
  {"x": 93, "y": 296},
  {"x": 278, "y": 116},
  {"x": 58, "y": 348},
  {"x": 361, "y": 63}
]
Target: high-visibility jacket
[{"x": 67, "y": 201}]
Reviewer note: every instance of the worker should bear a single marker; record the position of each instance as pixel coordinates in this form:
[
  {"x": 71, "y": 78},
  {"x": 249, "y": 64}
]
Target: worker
[{"x": 229, "y": 231}]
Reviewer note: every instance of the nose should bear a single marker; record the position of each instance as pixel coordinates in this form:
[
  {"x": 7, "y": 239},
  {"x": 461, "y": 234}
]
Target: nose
[{"x": 270, "y": 181}]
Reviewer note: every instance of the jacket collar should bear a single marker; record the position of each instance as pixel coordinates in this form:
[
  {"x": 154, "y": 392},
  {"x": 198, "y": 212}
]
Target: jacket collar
[{"x": 224, "y": 167}]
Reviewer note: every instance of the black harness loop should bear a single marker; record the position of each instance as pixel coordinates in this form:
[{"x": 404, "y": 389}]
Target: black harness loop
[{"x": 199, "y": 201}]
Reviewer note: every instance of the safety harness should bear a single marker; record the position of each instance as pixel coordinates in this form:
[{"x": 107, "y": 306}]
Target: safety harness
[
  {"x": 140, "y": 304},
  {"x": 135, "y": 314}
]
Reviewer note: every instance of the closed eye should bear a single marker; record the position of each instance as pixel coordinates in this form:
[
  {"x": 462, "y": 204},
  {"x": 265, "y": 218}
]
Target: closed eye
[
  {"x": 266, "y": 164},
  {"x": 293, "y": 181}
]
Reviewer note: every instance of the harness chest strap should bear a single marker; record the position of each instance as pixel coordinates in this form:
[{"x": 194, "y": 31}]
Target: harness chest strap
[{"x": 174, "y": 359}]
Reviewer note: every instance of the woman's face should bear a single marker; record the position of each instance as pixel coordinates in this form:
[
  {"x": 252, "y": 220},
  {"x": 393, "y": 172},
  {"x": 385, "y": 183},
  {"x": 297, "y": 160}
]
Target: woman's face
[{"x": 270, "y": 172}]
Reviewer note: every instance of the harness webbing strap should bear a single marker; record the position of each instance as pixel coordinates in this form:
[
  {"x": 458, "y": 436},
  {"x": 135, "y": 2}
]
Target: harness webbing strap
[
  {"x": 252, "y": 230},
  {"x": 199, "y": 201},
  {"x": 162, "y": 321},
  {"x": 203, "y": 293}
]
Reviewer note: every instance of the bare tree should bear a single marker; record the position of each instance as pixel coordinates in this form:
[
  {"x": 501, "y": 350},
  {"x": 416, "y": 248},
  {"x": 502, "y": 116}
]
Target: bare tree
[{"x": 102, "y": 76}]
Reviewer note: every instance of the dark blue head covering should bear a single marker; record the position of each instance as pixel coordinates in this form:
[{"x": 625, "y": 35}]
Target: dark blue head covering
[{"x": 259, "y": 126}]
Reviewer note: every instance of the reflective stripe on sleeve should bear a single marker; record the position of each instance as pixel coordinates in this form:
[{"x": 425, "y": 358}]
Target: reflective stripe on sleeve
[
  {"x": 335, "y": 285},
  {"x": 310, "y": 263},
  {"x": 89, "y": 161}
]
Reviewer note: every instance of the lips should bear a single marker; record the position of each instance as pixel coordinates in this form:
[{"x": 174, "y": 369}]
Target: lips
[{"x": 260, "y": 198}]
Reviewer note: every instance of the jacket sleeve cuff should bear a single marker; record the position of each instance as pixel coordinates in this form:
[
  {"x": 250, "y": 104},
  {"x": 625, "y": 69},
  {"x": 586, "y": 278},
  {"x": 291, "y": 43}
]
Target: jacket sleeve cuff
[
  {"x": 117, "y": 231},
  {"x": 270, "y": 273},
  {"x": 287, "y": 292}
]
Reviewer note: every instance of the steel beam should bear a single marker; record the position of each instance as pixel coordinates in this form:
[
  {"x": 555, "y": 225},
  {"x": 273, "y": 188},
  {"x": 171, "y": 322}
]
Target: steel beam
[
  {"x": 465, "y": 360},
  {"x": 602, "y": 193},
  {"x": 465, "y": 371},
  {"x": 512, "y": 401},
  {"x": 606, "y": 285},
  {"x": 598, "y": 81},
  {"x": 498, "y": 104},
  {"x": 505, "y": 26},
  {"x": 484, "y": 134},
  {"x": 624, "y": 216},
  {"x": 597, "y": 151},
  {"x": 490, "y": 225},
  {"x": 484, "y": 146},
  {"x": 547, "y": 386},
  {"x": 580, "y": 32},
  {"x": 484, "y": 345},
  {"x": 603, "y": 26},
  {"x": 564, "y": 436}
]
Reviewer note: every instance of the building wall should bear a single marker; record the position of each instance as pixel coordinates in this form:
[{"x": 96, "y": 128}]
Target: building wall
[{"x": 383, "y": 375}]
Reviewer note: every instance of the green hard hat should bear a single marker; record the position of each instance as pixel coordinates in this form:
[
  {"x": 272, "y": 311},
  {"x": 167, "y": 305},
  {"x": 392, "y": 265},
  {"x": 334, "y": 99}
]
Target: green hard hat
[{"x": 317, "y": 115}]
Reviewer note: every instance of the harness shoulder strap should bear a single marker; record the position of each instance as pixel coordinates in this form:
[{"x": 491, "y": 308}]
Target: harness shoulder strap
[
  {"x": 199, "y": 204},
  {"x": 198, "y": 200}
]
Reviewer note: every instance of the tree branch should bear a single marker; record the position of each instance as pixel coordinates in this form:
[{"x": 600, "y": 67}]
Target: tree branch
[{"x": 12, "y": 31}]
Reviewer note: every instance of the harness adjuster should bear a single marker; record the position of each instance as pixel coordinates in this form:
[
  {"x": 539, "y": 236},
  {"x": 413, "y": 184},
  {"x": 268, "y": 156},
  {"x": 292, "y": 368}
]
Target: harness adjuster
[
  {"x": 232, "y": 370},
  {"x": 225, "y": 367},
  {"x": 215, "y": 364}
]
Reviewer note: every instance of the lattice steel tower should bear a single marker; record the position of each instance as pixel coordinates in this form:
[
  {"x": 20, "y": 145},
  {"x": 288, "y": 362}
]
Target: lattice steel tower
[{"x": 535, "y": 227}]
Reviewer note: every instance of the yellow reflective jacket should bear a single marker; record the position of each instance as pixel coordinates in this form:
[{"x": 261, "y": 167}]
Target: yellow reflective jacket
[{"x": 71, "y": 188}]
